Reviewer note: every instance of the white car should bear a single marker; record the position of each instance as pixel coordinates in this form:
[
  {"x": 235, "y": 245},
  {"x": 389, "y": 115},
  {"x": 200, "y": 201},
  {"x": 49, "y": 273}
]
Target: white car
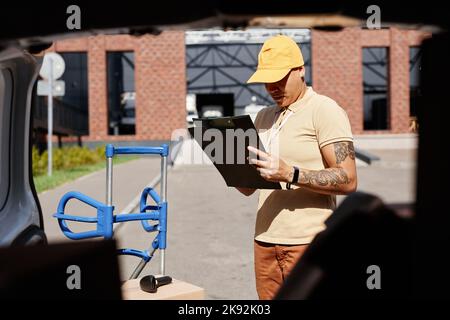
[
  {"x": 212, "y": 111},
  {"x": 128, "y": 105}
]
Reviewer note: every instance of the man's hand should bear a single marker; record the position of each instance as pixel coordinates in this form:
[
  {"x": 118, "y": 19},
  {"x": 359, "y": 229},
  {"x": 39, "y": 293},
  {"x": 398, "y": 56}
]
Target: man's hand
[{"x": 271, "y": 167}]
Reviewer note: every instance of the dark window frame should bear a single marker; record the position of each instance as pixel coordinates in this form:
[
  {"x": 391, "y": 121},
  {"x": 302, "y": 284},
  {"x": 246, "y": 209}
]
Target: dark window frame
[
  {"x": 414, "y": 83},
  {"x": 69, "y": 116},
  {"x": 376, "y": 89},
  {"x": 120, "y": 122}
]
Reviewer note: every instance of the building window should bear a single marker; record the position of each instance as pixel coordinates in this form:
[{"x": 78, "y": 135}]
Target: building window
[
  {"x": 71, "y": 112},
  {"x": 76, "y": 96},
  {"x": 220, "y": 63},
  {"x": 121, "y": 93},
  {"x": 415, "y": 54},
  {"x": 375, "y": 83},
  {"x": 225, "y": 68},
  {"x": 306, "y": 52}
]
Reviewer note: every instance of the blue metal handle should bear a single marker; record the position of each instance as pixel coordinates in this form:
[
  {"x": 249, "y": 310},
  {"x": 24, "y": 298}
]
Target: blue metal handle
[
  {"x": 136, "y": 216},
  {"x": 75, "y": 218},
  {"x": 104, "y": 218},
  {"x": 148, "y": 192},
  {"x": 144, "y": 207},
  {"x": 162, "y": 208},
  {"x": 162, "y": 151},
  {"x": 137, "y": 253}
]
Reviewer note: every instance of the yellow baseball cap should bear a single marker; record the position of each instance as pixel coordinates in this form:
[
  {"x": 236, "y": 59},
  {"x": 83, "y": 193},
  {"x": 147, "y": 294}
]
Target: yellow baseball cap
[{"x": 277, "y": 57}]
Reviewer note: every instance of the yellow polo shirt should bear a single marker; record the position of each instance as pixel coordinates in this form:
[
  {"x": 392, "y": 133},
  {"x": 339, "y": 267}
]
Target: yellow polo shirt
[{"x": 296, "y": 216}]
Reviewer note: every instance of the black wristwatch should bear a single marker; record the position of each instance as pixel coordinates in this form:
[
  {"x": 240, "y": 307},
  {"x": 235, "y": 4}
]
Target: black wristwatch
[{"x": 294, "y": 178}]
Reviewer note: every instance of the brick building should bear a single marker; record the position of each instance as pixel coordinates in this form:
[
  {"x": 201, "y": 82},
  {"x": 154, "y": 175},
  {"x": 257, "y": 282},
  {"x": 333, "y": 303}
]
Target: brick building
[
  {"x": 338, "y": 71},
  {"x": 341, "y": 63}
]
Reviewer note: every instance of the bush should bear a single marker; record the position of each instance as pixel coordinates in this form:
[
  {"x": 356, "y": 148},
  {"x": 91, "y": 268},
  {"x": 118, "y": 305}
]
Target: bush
[
  {"x": 36, "y": 162},
  {"x": 66, "y": 158}
]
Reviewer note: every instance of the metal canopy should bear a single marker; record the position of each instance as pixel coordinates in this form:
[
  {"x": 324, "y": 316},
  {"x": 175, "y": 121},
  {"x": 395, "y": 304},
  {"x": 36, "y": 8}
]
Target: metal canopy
[{"x": 221, "y": 61}]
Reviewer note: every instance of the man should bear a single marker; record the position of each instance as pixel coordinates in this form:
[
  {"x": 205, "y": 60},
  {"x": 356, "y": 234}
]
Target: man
[{"x": 310, "y": 151}]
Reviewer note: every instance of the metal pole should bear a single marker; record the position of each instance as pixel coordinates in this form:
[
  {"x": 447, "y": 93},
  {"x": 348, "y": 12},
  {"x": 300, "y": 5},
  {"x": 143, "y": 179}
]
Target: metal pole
[
  {"x": 164, "y": 179},
  {"x": 141, "y": 266},
  {"x": 163, "y": 199},
  {"x": 138, "y": 269},
  {"x": 50, "y": 119},
  {"x": 109, "y": 178}
]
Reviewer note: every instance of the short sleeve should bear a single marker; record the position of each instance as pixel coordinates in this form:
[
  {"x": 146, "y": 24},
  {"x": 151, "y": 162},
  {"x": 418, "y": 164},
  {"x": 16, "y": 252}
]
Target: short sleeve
[
  {"x": 258, "y": 120},
  {"x": 331, "y": 123},
  {"x": 262, "y": 119}
]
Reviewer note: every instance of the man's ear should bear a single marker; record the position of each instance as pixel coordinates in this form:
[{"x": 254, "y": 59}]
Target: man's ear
[{"x": 302, "y": 72}]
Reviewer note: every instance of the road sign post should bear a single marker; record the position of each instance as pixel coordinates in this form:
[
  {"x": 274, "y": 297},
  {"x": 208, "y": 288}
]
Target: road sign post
[
  {"x": 50, "y": 119},
  {"x": 52, "y": 68}
]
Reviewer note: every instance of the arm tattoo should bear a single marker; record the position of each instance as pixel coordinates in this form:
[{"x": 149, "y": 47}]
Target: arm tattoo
[
  {"x": 327, "y": 177},
  {"x": 342, "y": 150}
]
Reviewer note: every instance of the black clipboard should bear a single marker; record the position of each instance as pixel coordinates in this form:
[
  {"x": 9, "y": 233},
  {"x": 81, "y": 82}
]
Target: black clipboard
[{"x": 237, "y": 173}]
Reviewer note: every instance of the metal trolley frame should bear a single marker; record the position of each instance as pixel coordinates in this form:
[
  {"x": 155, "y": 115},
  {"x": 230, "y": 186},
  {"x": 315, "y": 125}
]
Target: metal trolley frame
[{"x": 105, "y": 212}]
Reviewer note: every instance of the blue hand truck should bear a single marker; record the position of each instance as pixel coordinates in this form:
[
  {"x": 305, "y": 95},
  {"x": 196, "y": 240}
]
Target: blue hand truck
[{"x": 105, "y": 212}]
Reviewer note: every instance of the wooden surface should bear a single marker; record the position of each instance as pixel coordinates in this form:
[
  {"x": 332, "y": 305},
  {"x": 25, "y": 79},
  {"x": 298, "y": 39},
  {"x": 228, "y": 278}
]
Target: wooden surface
[{"x": 177, "y": 290}]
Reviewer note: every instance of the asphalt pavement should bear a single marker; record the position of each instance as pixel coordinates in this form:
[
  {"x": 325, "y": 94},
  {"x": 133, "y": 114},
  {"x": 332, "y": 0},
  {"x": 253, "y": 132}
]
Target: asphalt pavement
[{"x": 210, "y": 226}]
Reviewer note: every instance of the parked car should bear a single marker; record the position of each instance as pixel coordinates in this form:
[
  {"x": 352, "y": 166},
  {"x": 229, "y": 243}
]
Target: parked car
[
  {"x": 191, "y": 115},
  {"x": 128, "y": 107},
  {"x": 211, "y": 111},
  {"x": 252, "y": 109},
  {"x": 20, "y": 214},
  {"x": 191, "y": 108}
]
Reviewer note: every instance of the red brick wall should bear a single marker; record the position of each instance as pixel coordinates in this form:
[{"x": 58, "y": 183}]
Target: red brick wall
[
  {"x": 160, "y": 77},
  {"x": 337, "y": 70},
  {"x": 160, "y": 83},
  {"x": 399, "y": 81}
]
